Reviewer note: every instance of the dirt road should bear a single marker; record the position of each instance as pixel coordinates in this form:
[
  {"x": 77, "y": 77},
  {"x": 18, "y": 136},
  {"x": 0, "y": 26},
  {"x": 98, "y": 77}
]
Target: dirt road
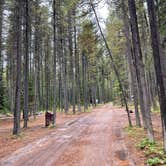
[{"x": 93, "y": 140}]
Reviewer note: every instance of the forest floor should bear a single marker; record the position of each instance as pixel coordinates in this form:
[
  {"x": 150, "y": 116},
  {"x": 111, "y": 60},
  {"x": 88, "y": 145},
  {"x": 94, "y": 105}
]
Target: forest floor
[{"x": 87, "y": 139}]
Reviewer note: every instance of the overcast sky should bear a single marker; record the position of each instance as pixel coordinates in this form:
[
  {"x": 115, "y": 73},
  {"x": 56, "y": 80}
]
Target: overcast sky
[{"x": 103, "y": 12}]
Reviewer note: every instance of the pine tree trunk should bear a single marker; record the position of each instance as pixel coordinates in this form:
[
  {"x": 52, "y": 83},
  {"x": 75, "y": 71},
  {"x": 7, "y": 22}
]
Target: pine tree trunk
[
  {"x": 70, "y": 37},
  {"x": 84, "y": 70},
  {"x": 54, "y": 63},
  {"x": 64, "y": 67},
  {"x": 17, "y": 111},
  {"x": 131, "y": 65},
  {"x": 47, "y": 73},
  {"x": 157, "y": 63},
  {"x": 77, "y": 68},
  {"x": 103, "y": 89},
  {"x": 145, "y": 107},
  {"x": 1, "y": 59},
  {"x": 36, "y": 59},
  {"x": 26, "y": 66}
]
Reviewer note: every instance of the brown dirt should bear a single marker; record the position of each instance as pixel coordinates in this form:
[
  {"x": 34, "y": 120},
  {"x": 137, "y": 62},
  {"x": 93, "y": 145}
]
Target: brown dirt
[
  {"x": 101, "y": 144},
  {"x": 95, "y": 139},
  {"x": 35, "y": 130},
  {"x": 92, "y": 139}
]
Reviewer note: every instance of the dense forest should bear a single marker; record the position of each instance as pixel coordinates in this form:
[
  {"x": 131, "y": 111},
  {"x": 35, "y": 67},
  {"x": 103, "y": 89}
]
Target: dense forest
[{"x": 59, "y": 55}]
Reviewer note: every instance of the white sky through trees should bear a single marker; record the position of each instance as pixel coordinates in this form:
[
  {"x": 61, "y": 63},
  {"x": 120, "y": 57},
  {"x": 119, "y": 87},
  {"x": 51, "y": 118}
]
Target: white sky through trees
[{"x": 102, "y": 12}]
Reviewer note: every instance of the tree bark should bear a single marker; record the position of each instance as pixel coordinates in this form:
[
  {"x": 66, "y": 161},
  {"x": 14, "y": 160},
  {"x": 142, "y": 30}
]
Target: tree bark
[
  {"x": 47, "y": 72},
  {"x": 77, "y": 68},
  {"x": 157, "y": 63},
  {"x": 72, "y": 77},
  {"x": 36, "y": 58},
  {"x": 17, "y": 111},
  {"x": 84, "y": 77},
  {"x": 145, "y": 105},
  {"x": 1, "y": 57},
  {"x": 54, "y": 63},
  {"x": 64, "y": 67},
  {"x": 26, "y": 66},
  {"x": 130, "y": 62}
]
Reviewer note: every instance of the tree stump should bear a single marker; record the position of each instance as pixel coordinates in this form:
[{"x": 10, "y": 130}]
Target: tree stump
[{"x": 48, "y": 118}]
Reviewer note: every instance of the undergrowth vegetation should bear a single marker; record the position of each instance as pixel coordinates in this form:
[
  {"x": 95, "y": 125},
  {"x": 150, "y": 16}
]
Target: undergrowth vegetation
[{"x": 152, "y": 151}]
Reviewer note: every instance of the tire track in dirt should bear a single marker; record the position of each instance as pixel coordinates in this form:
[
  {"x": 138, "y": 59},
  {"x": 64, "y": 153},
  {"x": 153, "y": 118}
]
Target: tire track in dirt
[{"x": 104, "y": 142}]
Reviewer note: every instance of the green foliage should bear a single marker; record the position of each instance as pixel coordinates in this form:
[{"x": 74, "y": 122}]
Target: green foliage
[
  {"x": 155, "y": 161},
  {"x": 89, "y": 109},
  {"x": 156, "y": 109},
  {"x": 134, "y": 132},
  {"x": 161, "y": 10},
  {"x": 116, "y": 41},
  {"x": 88, "y": 38},
  {"x": 88, "y": 44},
  {"x": 153, "y": 152},
  {"x": 68, "y": 6},
  {"x": 146, "y": 143},
  {"x": 6, "y": 105},
  {"x": 18, "y": 137},
  {"x": 51, "y": 126}
]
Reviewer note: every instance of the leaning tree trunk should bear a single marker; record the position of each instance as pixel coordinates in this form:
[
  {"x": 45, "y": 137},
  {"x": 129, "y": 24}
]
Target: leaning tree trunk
[
  {"x": 17, "y": 111},
  {"x": 113, "y": 64},
  {"x": 157, "y": 63}
]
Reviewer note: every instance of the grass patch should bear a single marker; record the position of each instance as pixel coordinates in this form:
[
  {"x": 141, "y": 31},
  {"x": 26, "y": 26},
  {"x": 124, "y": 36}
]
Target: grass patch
[
  {"x": 146, "y": 143},
  {"x": 101, "y": 104},
  {"x": 5, "y": 112},
  {"x": 89, "y": 109},
  {"x": 155, "y": 161},
  {"x": 51, "y": 126},
  {"x": 156, "y": 110},
  {"x": 134, "y": 132},
  {"x": 19, "y": 136},
  {"x": 153, "y": 151}
]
